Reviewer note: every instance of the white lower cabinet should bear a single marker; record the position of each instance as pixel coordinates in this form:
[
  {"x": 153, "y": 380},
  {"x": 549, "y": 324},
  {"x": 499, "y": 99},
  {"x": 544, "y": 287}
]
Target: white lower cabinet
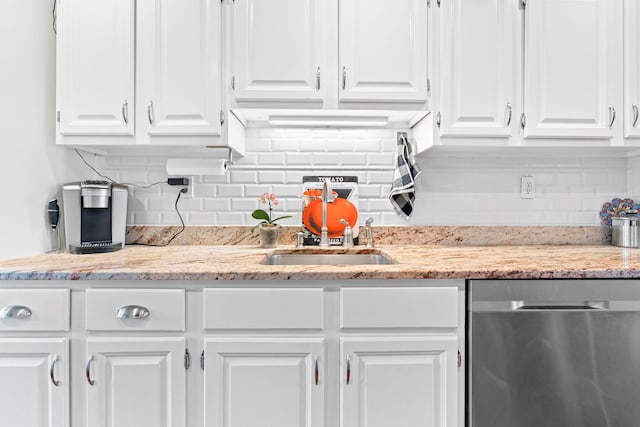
[
  {"x": 133, "y": 382},
  {"x": 409, "y": 382},
  {"x": 34, "y": 382},
  {"x": 264, "y": 382},
  {"x": 355, "y": 356},
  {"x": 317, "y": 354}
]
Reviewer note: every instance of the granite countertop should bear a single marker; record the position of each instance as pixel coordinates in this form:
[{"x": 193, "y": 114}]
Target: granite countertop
[{"x": 413, "y": 262}]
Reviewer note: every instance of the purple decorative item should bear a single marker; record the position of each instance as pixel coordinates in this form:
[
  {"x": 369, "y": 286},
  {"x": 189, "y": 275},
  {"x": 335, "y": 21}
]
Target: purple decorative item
[{"x": 616, "y": 207}]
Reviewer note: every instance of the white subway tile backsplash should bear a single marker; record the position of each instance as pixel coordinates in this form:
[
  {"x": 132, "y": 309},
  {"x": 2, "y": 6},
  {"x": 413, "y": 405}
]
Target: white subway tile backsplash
[
  {"x": 271, "y": 176},
  {"x": 285, "y": 145},
  {"x": 217, "y": 205},
  {"x": 288, "y": 190},
  {"x": 299, "y": 158},
  {"x": 387, "y": 159},
  {"x": 201, "y": 218},
  {"x": 271, "y": 159},
  {"x": 244, "y": 177},
  {"x": 326, "y": 158},
  {"x": 242, "y": 205},
  {"x": 238, "y": 190},
  {"x": 453, "y": 189}
]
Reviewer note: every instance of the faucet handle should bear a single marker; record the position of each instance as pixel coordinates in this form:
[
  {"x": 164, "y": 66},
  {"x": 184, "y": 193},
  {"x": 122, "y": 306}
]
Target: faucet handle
[{"x": 347, "y": 241}]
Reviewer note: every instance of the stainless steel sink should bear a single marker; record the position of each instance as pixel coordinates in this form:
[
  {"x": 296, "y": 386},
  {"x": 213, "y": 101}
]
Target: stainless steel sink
[{"x": 326, "y": 259}]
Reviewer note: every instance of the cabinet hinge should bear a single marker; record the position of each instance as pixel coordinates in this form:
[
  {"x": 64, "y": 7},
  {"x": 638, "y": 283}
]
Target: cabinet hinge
[
  {"x": 187, "y": 359},
  {"x": 221, "y": 117},
  {"x": 202, "y": 360},
  {"x": 438, "y": 3},
  {"x": 438, "y": 119},
  {"x": 429, "y": 87},
  {"x": 459, "y": 359},
  {"x": 523, "y": 120},
  {"x": 233, "y": 82},
  {"x": 58, "y": 116}
]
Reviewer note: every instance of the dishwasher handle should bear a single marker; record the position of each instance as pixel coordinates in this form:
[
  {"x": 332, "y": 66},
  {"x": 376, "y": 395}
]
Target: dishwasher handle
[
  {"x": 559, "y": 305},
  {"x": 523, "y": 306}
]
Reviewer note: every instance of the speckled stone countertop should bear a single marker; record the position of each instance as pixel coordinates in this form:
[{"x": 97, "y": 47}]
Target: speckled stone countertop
[{"x": 413, "y": 262}]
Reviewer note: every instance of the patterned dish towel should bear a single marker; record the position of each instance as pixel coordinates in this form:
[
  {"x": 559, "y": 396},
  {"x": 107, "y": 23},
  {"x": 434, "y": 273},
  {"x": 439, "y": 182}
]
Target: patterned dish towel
[{"x": 403, "y": 192}]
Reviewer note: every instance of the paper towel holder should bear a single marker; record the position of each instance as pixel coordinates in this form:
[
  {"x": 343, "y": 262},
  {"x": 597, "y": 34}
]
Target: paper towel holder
[
  {"x": 229, "y": 152},
  {"x": 197, "y": 166}
]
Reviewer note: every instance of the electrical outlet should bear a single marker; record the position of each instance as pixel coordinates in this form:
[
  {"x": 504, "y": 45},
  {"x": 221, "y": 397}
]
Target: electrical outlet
[
  {"x": 189, "y": 192},
  {"x": 527, "y": 187}
]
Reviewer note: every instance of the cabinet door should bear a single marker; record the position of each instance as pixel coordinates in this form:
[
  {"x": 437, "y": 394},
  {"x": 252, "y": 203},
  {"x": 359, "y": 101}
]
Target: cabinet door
[
  {"x": 95, "y": 67},
  {"x": 136, "y": 382},
  {"x": 28, "y": 370},
  {"x": 278, "y": 49},
  {"x": 178, "y": 76},
  {"x": 478, "y": 62},
  {"x": 573, "y": 75},
  {"x": 632, "y": 69},
  {"x": 264, "y": 382},
  {"x": 383, "y": 50},
  {"x": 408, "y": 382}
]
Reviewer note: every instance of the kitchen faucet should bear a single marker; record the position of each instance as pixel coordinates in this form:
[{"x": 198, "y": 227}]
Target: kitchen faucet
[
  {"x": 327, "y": 197},
  {"x": 368, "y": 233}
]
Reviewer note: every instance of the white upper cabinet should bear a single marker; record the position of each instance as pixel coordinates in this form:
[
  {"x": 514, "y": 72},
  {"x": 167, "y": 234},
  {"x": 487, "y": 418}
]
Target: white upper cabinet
[
  {"x": 278, "y": 50},
  {"x": 178, "y": 74},
  {"x": 632, "y": 69},
  {"x": 479, "y": 41},
  {"x": 383, "y": 50},
  {"x": 325, "y": 52},
  {"x": 573, "y": 69},
  {"x": 139, "y": 69},
  {"x": 95, "y": 67}
]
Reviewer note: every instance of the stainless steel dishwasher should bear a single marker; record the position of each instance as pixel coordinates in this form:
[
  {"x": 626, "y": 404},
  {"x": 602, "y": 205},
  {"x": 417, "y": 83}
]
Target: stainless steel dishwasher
[{"x": 553, "y": 353}]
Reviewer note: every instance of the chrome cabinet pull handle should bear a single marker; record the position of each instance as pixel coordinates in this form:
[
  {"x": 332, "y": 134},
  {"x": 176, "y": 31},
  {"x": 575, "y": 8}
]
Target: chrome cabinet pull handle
[
  {"x": 150, "y": 112},
  {"x": 317, "y": 370},
  {"x": 125, "y": 112},
  {"x": 88, "y": 370},
  {"x": 52, "y": 368},
  {"x": 15, "y": 312},
  {"x": 344, "y": 77},
  {"x": 318, "y": 79},
  {"x": 133, "y": 312},
  {"x": 634, "y": 107},
  {"x": 348, "y": 370},
  {"x": 509, "y": 114},
  {"x": 612, "y": 115},
  {"x": 438, "y": 119}
]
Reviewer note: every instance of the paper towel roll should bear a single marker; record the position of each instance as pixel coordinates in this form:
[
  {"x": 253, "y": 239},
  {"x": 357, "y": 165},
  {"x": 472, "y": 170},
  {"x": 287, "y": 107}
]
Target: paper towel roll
[{"x": 211, "y": 167}]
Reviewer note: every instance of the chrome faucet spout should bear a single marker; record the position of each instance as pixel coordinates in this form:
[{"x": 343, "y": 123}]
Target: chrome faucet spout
[{"x": 327, "y": 197}]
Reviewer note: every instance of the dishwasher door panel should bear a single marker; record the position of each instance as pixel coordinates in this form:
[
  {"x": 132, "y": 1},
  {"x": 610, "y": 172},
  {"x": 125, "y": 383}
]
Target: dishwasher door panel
[{"x": 554, "y": 368}]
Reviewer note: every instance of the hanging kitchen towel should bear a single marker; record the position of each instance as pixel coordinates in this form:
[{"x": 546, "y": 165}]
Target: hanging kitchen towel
[{"x": 403, "y": 192}]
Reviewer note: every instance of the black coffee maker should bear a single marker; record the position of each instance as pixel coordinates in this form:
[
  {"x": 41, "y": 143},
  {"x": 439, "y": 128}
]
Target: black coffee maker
[{"x": 95, "y": 216}]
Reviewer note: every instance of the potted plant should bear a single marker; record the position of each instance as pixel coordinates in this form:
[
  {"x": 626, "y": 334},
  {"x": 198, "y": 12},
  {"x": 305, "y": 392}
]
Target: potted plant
[{"x": 268, "y": 228}]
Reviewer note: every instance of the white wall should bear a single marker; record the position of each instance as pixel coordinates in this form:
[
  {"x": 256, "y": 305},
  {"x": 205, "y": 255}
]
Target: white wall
[
  {"x": 452, "y": 190},
  {"x": 31, "y": 166}
]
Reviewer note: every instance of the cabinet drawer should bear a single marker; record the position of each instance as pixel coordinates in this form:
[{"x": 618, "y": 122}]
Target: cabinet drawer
[
  {"x": 49, "y": 309},
  {"x": 135, "y": 309},
  {"x": 399, "y": 307},
  {"x": 263, "y": 308}
]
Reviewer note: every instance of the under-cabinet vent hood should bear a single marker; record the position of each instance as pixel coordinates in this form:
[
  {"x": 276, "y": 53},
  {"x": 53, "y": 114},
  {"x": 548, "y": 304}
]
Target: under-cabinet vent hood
[{"x": 392, "y": 119}]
